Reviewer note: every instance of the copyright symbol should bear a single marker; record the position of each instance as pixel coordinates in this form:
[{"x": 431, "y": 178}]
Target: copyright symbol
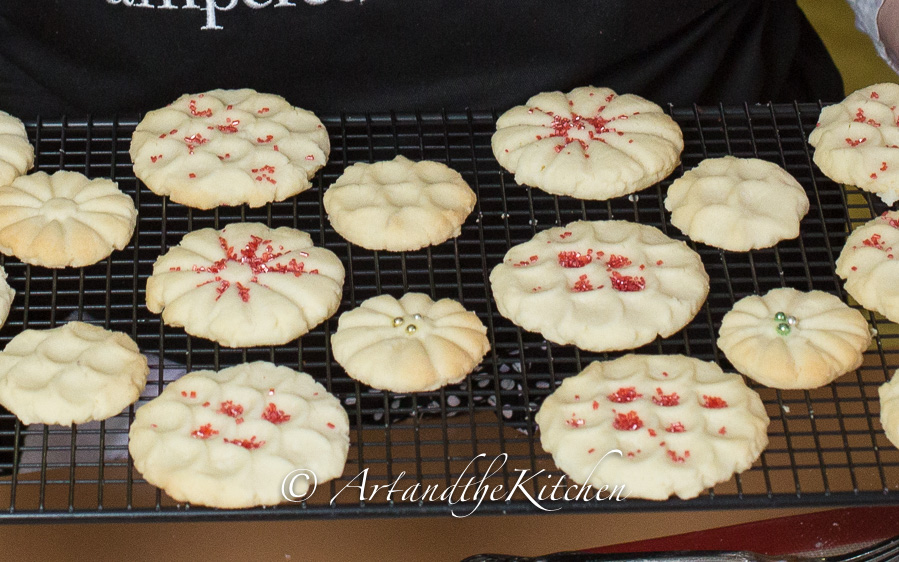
[{"x": 299, "y": 485}]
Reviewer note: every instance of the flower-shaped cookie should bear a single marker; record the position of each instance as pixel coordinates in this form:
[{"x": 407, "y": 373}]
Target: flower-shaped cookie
[
  {"x": 590, "y": 143},
  {"x": 229, "y": 147},
  {"x": 71, "y": 374},
  {"x": 64, "y": 220},
  {"x": 792, "y": 339},
  {"x": 16, "y": 153},
  {"x": 409, "y": 345},
  {"x": 399, "y": 205},
  {"x": 681, "y": 425},
  {"x": 602, "y": 285},
  {"x": 240, "y": 437},
  {"x": 857, "y": 141},
  {"x": 738, "y": 204},
  {"x": 889, "y": 409},
  {"x": 6, "y": 296},
  {"x": 869, "y": 265},
  {"x": 246, "y": 285}
]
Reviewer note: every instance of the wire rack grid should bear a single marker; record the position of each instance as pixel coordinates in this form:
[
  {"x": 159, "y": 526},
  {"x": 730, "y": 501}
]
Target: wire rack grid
[{"x": 826, "y": 445}]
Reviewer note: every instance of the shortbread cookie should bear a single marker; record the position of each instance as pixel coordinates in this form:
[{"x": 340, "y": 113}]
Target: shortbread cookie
[
  {"x": 229, "y": 147},
  {"x": 602, "y": 286},
  {"x": 409, "y": 345},
  {"x": 71, "y": 374},
  {"x": 737, "y": 204},
  {"x": 590, "y": 143},
  {"x": 869, "y": 266},
  {"x": 399, "y": 205},
  {"x": 681, "y": 426},
  {"x": 16, "y": 153},
  {"x": 857, "y": 141},
  {"x": 6, "y": 297},
  {"x": 241, "y": 436},
  {"x": 889, "y": 409},
  {"x": 246, "y": 285},
  {"x": 64, "y": 220},
  {"x": 792, "y": 339}
]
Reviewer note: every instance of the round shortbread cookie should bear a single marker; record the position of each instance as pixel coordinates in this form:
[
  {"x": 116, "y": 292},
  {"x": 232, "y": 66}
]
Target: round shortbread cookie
[
  {"x": 857, "y": 141},
  {"x": 399, "y": 205},
  {"x": 229, "y": 147},
  {"x": 791, "y": 339},
  {"x": 16, "y": 153},
  {"x": 409, "y": 345},
  {"x": 682, "y": 425},
  {"x": 737, "y": 204},
  {"x": 64, "y": 220},
  {"x": 889, "y": 409},
  {"x": 602, "y": 286},
  {"x": 246, "y": 285},
  {"x": 71, "y": 374},
  {"x": 590, "y": 143},
  {"x": 868, "y": 265},
  {"x": 6, "y": 296},
  {"x": 232, "y": 438}
]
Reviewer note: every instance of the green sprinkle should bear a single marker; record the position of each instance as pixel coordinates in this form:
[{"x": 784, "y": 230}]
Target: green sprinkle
[
  {"x": 780, "y": 317},
  {"x": 783, "y": 329}
]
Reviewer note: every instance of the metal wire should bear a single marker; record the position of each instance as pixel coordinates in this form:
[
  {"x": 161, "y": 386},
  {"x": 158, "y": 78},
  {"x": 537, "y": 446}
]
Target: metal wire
[{"x": 826, "y": 445}]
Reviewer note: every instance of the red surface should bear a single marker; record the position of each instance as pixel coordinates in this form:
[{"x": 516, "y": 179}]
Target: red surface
[{"x": 784, "y": 535}]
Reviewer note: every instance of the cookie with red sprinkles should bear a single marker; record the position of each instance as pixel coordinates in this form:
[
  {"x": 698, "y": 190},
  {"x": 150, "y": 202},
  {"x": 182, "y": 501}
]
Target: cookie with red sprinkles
[
  {"x": 659, "y": 425},
  {"x": 229, "y": 438},
  {"x": 229, "y": 147},
  {"x": 869, "y": 266},
  {"x": 590, "y": 143},
  {"x": 857, "y": 141},
  {"x": 601, "y": 285},
  {"x": 246, "y": 284}
]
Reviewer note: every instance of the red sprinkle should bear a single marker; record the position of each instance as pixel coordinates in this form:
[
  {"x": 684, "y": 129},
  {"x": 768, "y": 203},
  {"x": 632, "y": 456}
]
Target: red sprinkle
[
  {"x": 192, "y": 106},
  {"x": 623, "y": 395},
  {"x": 575, "y": 422},
  {"x": 652, "y": 432},
  {"x": 676, "y": 427},
  {"x": 331, "y": 425},
  {"x": 874, "y": 95},
  {"x": 229, "y": 127},
  {"x": 263, "y": 110},
  {"x": 525, "y": 263},
  {"x": 617, "y": 262},
  {"x": 250, "y": 443},
  {"x": 873, "y": 242},
  {"x": 627, "y": 422},
  {"x": 205, "y": 404},
  {"x": 575, "y": 259},
  {"x": 191, "y": 175},
  {"x": 155, "y": 158},
  {"x": 274, "y": 415},
  {"x": 564, "y": 235},
  {"x": 268, "y": 138},
  {"x": 854, "y": 143},
  {"x": 582, "y": 285},
  {"x": 595, "y": 405},
  {"x": 660, "y": 262},
  {"x": 590, "y": 451},
  {"x": 722, "y": 431},
  {"x": 204, "y": 432},
  {"x": 873, "y": 176},
  {"x": 627, "y": 283},
  {"x": 883, "y": 166},
  {"x": 674, "y": 457},
  {"x": 714, "y": 402},
  {"x": 665, "y": 400},
  {"x": 231, "y": 409}
]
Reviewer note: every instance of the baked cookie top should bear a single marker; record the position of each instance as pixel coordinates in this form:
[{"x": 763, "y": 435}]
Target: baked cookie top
[
  {"x": 602, "y": 285},
  {"x": 71, "y": 374},
  {"x": 7, "y": 294},
  {"x": 857, "y": 141},
  {"x": 230, "y": 438},
  {"x": 64, "y": 220},
  {"x": 411, "y": 344},
  {"x": 681, "y": 425},
  {"x": 590, "y": 143},
  {"x": 868, "y": 264},
  {"x": 246, "y": 285},
  {"x": 16, "y": 153},
  {"x": 793, "y": 339},
  {"x": 737, "y": 204},
  {"x": 228, "y": 147},
  {"x": 399, "y": 205},
  {"x": 889, "y": 409}
]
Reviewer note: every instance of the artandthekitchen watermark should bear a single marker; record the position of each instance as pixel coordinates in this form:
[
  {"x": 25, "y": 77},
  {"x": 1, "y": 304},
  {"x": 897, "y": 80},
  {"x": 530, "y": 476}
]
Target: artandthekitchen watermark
[{"x": 469, "y": 491}]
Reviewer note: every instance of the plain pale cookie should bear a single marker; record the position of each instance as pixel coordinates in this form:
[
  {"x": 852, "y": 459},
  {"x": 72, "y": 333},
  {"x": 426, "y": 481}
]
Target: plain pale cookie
[
  {"x": 737, "y": 204},
  {"x": 889, "y": 409},
  {"x": 16, "y": 153},
  {"x": 229, "y": 147},
  {"x": 71, "y": 374},
  {"x": 602, "y": 286},
  {"x": 681, "y": 424},
  {"x": 791, "y": 339},
  {"x": 868, "y": 265},
  {"x": 64, "y": 220},
  {"x": 399, "y": 205},
  {"x": 246, "y": 285},
  {"x": 409, "y": 345},
  {"x": 6, "y": 296},
  {"x": 230, "y": 438},
  {"x": 857, "y": 141},
  {"x": 590, "y": 143}
]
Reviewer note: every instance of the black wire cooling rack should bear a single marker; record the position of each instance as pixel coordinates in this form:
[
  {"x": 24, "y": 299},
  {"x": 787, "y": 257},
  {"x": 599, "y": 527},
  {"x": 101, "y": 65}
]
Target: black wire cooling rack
[{"x": 826, "y": 445}]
